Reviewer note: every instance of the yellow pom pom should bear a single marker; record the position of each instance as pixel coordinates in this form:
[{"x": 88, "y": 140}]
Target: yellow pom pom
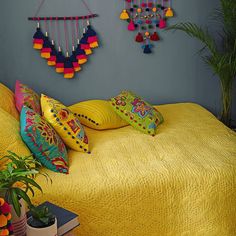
[
  {"x": 147, "y": 33},
  {"x": 154, "y": 9},
  {"x": 139, "y": 10},
  {"x": 82, "y": 61},
  {"x": 124, "y": 15},
  {"x": 3, "y": 220},
  {"x": 88, "y": 51},
  {"x": 1, "y": 201},
  {"x": 169, "y": 12}
]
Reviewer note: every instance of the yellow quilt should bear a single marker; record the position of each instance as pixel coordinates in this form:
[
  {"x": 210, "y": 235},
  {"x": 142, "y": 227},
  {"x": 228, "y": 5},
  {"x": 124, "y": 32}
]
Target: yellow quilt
[{"x": 180, "y": 182}]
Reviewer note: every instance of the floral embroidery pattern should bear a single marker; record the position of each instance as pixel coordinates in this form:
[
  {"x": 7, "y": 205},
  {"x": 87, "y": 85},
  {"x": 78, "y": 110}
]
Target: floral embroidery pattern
[
  {"x": 75, "y": 127},
  {"x": 140, "y": 107},
  {"x": 47, "y": 132},
  {"x": 63, "y": 114}
]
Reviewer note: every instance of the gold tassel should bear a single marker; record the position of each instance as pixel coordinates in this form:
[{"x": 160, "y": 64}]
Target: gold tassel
[
  {"x": 169, "y": 12},
  {"x": 124, "y": 15}
]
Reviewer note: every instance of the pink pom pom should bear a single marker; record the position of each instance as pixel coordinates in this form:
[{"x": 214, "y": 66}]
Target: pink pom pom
[{"x": 5, "y": 208}]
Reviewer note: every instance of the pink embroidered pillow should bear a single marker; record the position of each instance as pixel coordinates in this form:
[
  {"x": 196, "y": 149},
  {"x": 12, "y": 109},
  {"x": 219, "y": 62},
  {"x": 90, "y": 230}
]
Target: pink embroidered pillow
[{"x": 25, "y": 96}]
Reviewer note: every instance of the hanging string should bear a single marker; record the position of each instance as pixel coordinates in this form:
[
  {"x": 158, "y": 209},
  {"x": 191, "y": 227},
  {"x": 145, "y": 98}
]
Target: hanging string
[
  {"x": 52, "y": 30},
  {"x": 77, "y": 29},
  {"x": 46, "y": 26},
  {"x": 66, "y": 37},
  {"x": 39, "y": 8},
  {"x": 87, "y": 7},
  {"x": 72, "y": 24},
  {"x": 58, "y": 34}
]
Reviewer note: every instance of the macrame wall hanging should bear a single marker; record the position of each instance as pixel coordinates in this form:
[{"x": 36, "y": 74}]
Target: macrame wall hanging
[
  {"x": 49, "y": 42},
  {"x": 146, "y": 17}
]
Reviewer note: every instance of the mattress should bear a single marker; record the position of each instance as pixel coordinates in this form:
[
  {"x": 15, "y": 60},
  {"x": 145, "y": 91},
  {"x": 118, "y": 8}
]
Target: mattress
[{"x": 180, "y": 182}]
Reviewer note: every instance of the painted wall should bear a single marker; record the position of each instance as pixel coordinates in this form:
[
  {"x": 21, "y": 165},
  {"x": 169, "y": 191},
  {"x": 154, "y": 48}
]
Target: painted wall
[{"x": 173, "y": 73}]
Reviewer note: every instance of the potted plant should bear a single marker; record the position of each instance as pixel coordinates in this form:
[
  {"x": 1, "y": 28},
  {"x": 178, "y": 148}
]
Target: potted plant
[
  {"x": 221, "y": 56},
  {"x": 16, "y": 182},
  {"x": 41, "y": 222}
]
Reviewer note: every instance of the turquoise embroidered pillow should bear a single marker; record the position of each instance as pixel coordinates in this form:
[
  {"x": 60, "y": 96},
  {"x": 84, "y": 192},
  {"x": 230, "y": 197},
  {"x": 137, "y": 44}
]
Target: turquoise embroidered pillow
[
  {"x": 138, "y": 113},
  {"x": 43, "y": 141}
]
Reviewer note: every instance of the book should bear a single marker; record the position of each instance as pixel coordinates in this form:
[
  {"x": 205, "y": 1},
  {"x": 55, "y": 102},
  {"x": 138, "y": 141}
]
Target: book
[{"x": 66, "y": 220}]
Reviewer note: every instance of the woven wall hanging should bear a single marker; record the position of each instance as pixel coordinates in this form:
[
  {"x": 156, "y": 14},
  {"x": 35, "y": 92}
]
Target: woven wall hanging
[
  {"x": 147, "y": 17},
  {"x": 49, "y": 42}
]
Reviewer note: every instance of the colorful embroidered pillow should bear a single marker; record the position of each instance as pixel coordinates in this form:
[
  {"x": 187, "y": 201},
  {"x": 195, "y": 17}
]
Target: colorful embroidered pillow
[
  {"x": 43, "y": 141},
  {"x": 140, "y": 114},
  {"x": 97, "y": 114},
  {"x": 25, "y": 96},
  {"x": 65, "y": 123},
  {"x": 10, "y": 139},
  {"x": 7, "y": 101}
]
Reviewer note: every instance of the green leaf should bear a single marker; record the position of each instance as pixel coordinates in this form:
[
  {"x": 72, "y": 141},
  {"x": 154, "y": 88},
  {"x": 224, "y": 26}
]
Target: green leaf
[
  {"x": 30, "y": 181},
  {"x": 14, "y": 201},
  {"x": 23, "y": 195}
]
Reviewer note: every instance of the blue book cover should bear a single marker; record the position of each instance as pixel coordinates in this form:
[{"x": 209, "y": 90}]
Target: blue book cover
[{"x": 66, "y": 220}]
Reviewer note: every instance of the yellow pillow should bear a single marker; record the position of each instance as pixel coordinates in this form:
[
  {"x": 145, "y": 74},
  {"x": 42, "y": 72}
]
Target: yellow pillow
[
  {"x": 65, "y": 123},
  {"x": 7, "y": 101},
  {"x": 10, "y": 139},
  {"x": 97, "y": 114}
]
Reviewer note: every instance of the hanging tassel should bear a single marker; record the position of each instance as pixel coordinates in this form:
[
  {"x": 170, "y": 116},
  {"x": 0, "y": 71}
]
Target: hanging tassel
[
  {"x": 53, "y": 56},
  {"x": 131, "y": 26},
  {"x": 124, "y": 15},
  {"x": 60, "y": 61},
  {"x": 80, "y": 55},
  {"x": 92, "y": 37},
  {"x": 84, "y": 45},
  {"x": 38, "y": 38},
  {"x": 154, "y": 37},
  {"x": 169, "y": 12},
  {"x": 147, "y": 49},
  {"x": 46, "y": 49},
  {"x": 139, "y": 38},
  {"x": 74, "y": 61},
  {"x": 68, "y": 68},
  {"x": 162, "y": 24}
]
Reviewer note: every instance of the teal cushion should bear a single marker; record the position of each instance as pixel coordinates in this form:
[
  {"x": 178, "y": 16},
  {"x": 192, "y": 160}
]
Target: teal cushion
[{"x": 43, "y": 141}]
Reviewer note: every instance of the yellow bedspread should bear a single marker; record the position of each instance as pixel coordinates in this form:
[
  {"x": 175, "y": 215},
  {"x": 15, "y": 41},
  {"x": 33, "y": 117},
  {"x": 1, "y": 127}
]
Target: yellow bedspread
[{"x": 180, "y": 182}]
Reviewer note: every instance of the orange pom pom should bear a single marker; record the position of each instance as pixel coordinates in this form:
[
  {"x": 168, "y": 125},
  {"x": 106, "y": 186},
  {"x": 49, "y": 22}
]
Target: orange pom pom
[
  {"x": 4, "y": 232},
  {"x": 8, "y": 216},
  {"x": 1, "y": 201},
  {"x": 3, "y": 220}
]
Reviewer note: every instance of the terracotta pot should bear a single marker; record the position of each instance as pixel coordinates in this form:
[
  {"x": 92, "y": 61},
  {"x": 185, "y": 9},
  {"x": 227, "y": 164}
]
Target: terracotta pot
[
  {"x": 47, "y": 231},
  {"x": 19, "y": 223}
]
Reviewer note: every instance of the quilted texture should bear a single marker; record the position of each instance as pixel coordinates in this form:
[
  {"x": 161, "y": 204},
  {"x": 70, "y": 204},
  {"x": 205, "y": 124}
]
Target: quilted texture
[
  {"x": 7, "y": 101},
  {"x": 180, "y": 182},
  {"x": 65, "y": 123},
  {"x": 140, "y": 114},
  {"x": 25, "y": 96},
  {"x": 43, "y": 141},
  {"x": 10, "y": 139},
  {"x": 97, "y": 114}
]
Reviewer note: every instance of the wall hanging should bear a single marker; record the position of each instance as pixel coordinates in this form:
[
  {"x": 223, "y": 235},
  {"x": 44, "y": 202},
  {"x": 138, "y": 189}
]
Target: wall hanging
[
  {"x": 146, "y": 17},
  {"x": 49, "y": 42}
]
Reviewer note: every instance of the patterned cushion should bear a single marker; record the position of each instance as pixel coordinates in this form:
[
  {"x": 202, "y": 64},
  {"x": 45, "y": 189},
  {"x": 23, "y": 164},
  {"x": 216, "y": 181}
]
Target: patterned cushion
[
  {"x": 25, "y": 96},
  {"x": 7, "y": 101},
  {"x": 65, "y": 123},
  {"x": 43, "y": 141},
  {"x": 97, "y": 114},
  {"x": 140, "y": 114}
]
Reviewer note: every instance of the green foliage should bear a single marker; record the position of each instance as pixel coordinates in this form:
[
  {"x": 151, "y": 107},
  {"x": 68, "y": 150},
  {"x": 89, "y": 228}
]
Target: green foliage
[
  {"x": 42, "y": 217},
  {"x": 221, "y": 56},
  {"x": 20, "y": 171}
]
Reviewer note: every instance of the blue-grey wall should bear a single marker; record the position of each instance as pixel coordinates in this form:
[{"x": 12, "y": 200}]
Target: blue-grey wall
[{"x": 173, "y": 73}]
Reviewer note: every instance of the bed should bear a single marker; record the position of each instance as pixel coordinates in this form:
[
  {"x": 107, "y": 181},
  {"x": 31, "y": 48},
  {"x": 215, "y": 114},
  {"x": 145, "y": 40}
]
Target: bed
[{"x": 180, "y": 182}]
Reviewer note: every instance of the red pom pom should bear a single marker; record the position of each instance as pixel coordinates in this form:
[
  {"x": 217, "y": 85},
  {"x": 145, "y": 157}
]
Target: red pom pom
[
  {"x": 5, "y": 208},
  {"x": 139, "y": 38},
  {"x": 150, "y": 4},
  {"x": 143, "y": 4},
  {"x": 154, "y": 37},
  {"x": 148, "y": 22}
]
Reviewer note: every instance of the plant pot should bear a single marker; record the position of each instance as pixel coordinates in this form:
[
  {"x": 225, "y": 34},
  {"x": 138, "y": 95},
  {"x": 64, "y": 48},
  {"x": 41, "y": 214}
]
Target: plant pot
[
  {"x": 47, "y": 231},
  {"x": 19, "y": 223}
]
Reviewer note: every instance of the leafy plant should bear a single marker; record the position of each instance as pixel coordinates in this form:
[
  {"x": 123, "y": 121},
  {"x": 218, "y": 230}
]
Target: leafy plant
[
  {"x": 41, "y": 217},
  {"x": 17, "y": 179},
  {"x": 221, "y": 56}
]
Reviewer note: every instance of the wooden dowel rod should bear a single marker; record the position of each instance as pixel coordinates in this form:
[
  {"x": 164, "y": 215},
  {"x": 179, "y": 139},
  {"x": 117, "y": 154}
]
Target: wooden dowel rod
[{"x": 62, "y": 17}]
